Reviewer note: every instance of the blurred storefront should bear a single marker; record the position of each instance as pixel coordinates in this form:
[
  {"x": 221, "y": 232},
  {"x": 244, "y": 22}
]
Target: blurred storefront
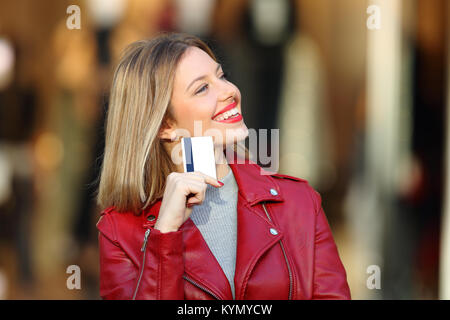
[{"x": 361, "y": 113}]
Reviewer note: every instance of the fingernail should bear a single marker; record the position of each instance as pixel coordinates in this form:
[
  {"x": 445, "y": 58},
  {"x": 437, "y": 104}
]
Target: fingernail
[
  {"x": 190, "y": 205},
  {"x": 221, "y": 183}
]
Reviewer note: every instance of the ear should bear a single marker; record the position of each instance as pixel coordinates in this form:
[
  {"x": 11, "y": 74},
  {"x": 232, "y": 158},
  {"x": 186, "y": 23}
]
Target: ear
[{"x": 167, "y": 131}]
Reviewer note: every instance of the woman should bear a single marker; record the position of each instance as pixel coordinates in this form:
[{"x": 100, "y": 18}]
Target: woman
[{"x": 166, "y": 234}]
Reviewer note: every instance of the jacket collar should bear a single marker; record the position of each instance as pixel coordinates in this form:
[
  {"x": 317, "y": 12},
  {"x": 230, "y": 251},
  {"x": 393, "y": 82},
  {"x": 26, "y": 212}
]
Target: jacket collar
[{"x": 255, "y": 184}]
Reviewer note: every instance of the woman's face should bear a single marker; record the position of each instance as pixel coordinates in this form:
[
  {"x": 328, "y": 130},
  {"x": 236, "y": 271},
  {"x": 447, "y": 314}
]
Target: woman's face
[{"x": 204, "y": 102}]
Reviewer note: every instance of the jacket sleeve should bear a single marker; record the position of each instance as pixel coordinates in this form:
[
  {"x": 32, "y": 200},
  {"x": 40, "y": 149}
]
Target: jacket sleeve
[
  {"x": 159, "y": 277},
  {"x": 330, "y": 279}
]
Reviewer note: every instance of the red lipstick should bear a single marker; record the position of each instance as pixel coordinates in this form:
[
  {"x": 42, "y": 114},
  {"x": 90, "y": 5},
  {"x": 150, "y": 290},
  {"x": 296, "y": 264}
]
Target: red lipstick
[
  {"x": 237, "y": 117},
  {"x": 229, "y": 107}
]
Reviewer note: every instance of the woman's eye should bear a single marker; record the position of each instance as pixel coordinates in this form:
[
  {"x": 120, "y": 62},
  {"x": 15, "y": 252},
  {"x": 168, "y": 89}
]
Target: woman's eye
[
  {"x": 202, "y": 89},
  {"x": 223, "y": 76}
]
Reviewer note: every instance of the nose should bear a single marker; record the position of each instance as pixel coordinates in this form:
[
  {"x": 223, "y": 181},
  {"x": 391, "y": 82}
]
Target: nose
[{"x": 228, "y": 92}]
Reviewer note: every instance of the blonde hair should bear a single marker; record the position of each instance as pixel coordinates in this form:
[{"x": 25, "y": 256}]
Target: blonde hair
[{"x": 135, "y": 164}]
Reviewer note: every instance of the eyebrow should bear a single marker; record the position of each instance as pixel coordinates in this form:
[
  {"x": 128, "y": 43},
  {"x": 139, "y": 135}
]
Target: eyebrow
[{"x": 202, "y": 77}]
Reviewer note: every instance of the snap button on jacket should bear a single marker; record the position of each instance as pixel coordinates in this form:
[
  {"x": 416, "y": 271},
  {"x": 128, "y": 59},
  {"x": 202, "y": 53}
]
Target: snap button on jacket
[{"x": 285, "y": 248}]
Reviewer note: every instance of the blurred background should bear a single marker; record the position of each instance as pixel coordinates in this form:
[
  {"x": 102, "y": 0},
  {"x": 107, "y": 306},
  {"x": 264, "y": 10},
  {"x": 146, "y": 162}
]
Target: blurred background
[{"x": 357, "y": 88}]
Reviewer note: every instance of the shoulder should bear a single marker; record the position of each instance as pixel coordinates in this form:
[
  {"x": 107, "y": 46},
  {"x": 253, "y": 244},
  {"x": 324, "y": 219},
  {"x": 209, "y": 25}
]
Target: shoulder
[
  {"x": 295, "y": 185},
  {"x": 298, "y": 188},
  {"x": 112, "y": 223}
]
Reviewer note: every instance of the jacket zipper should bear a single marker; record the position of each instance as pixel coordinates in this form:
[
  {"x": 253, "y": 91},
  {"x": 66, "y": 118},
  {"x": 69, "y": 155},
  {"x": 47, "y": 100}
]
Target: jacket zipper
[
  {"x": 284, "y": 254},
  {"x": 144, "y": 245},
  {"x": 201, "y": 287}
]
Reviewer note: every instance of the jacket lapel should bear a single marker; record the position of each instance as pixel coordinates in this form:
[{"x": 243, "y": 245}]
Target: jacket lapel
[
  {"x": 200, "y": 264},
  {"x": 253, "y": 237}
]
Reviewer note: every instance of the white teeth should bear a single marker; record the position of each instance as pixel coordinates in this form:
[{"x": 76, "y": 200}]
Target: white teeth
[{"x": 227, "y": 114}]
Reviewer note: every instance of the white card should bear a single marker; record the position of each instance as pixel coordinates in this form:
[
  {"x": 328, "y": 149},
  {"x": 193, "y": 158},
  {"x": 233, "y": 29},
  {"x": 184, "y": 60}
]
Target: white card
[{"x": 198, "y": 155}]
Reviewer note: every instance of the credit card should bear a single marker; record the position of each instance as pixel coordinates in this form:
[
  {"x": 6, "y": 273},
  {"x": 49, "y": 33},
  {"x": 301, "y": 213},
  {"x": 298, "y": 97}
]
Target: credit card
[{"x": 198, "y": 155}]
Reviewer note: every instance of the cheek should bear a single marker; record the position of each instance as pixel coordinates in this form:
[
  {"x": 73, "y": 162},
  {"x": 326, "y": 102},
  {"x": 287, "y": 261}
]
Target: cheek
[
  {"x": 185, "y": 112},
  {"x": 204, "y": 109},
  {"x": 196, "y": 111}
]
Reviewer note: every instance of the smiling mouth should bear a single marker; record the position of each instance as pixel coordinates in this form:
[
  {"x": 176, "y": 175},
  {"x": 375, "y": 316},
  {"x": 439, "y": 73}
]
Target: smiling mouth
[{"x": 228, "y": 114}]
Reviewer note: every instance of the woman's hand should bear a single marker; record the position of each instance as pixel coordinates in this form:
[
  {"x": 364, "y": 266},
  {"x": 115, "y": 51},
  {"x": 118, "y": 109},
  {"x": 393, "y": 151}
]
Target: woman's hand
[{"x": 181, "y": 192}]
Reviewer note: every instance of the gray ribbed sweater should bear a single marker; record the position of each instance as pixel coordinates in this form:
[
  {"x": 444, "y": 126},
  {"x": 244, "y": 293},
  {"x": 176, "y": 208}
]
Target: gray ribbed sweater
[{"x": 216, "y": 218}]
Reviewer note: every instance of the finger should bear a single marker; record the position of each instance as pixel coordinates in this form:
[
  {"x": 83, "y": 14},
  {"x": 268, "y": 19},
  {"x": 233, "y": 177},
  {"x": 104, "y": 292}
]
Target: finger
[
  {"x": 196, "y": 199},
  {"x": 196, "y": 192},
  {"x": 209, "y": 180}
]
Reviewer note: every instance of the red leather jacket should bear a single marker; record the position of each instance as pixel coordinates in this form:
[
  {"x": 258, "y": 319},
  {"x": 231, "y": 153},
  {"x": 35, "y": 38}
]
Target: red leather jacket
[{"x": 285, "y": 249}]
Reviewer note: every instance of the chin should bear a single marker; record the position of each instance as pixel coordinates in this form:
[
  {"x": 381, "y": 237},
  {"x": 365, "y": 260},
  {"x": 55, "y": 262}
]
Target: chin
[
  {"x": 233, "y": 141},
  {"x": 235, "y": 135}
]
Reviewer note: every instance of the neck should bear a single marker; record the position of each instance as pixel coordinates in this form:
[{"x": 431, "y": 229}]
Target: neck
[{"x": 222, "y": 166}]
